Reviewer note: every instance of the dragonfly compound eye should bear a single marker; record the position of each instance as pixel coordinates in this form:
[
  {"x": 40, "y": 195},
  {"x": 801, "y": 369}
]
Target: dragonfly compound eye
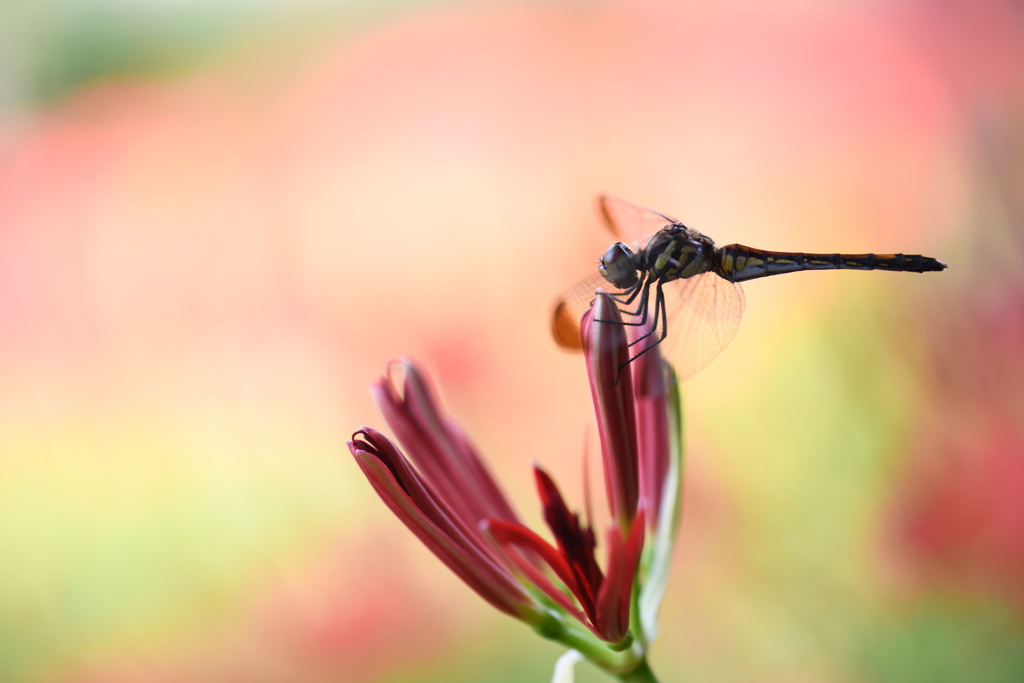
[{"x": 618, "y": 266}]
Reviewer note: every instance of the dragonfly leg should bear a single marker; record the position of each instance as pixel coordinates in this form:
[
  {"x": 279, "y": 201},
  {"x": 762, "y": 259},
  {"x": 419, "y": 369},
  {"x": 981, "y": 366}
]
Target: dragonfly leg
[
  {"x": 659, "y": 310},
  {"x": 643, "y": 285},
  {"x": 629, "y": 294},
  {"x": 641, "y": 310}
]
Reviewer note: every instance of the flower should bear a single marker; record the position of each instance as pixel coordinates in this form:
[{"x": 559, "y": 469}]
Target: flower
[{"x": 447, "y": 497}]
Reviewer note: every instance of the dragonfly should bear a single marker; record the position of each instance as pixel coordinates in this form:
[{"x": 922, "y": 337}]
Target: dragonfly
[{"x": 681, "y": 291}]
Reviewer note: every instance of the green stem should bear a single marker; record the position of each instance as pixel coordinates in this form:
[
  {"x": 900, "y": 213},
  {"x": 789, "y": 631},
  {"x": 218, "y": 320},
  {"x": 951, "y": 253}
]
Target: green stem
[{"x": 641, "y": 674}]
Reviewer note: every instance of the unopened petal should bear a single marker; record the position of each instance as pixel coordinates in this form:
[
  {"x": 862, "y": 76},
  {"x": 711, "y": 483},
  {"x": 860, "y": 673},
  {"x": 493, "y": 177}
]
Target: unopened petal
[
  {"x": 401, "y": 489},
  {"x": 439, "y": 448},
  {"x": 606, "y": 346}
]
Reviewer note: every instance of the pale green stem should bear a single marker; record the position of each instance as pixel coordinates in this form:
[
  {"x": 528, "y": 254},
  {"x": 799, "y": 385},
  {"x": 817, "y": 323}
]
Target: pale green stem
[{"x": 641, "y": 674}]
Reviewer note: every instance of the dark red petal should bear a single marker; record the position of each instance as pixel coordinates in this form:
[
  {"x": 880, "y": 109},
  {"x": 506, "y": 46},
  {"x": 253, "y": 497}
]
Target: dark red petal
[
  {"x": 399, "y": 486},
  {"x": 575, "y": 542},
  {"x": 607, "y": 351}
]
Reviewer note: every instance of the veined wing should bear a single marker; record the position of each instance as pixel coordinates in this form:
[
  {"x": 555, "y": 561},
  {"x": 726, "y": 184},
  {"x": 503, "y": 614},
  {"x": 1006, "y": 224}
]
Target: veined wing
[
  {"x": 565, "y": 321},
  {"x": 703, "y": 316},
  {"x": 630, "y": 223}
]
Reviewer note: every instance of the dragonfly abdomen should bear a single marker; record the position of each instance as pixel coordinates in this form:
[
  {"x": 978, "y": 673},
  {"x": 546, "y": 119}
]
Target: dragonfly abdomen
[{"x": 737, "y": 263}]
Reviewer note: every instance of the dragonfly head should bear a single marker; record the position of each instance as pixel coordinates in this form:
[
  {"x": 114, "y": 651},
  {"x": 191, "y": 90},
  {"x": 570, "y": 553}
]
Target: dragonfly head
[{"x": 619, "y": 266}]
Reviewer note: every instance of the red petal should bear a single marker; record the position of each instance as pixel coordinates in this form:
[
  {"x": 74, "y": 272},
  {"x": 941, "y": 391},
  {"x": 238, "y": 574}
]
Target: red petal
[
  {"x": 608, "y": 619},
  {"x": 504, "y": 537},
  {"x": 634, "y": 546},
  {"x": 613, "y": 600},
  {"x": 515, "y": 534},
  {"x": 587, "y": 506},
  {"x": 440, "y": 449}
]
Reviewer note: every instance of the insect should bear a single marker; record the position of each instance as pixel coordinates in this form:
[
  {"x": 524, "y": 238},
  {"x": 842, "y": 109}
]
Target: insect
[{"x": 697, "y": 300}]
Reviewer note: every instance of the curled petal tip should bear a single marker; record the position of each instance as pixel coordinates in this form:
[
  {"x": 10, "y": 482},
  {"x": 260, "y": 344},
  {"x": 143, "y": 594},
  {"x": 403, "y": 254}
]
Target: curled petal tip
[
  {"x": 361, "y": 441},
  {"x": 369, "y": 436}
]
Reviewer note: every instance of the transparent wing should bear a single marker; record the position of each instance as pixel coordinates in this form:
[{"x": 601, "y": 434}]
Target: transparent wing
[
  {"x": 570, "y": 307},
  {"x": 630, "y": 223},
  {"x": 703, "y": 316}
]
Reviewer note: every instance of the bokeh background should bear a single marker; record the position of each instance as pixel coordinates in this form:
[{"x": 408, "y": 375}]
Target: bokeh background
[{"x": 219, "y": 221}]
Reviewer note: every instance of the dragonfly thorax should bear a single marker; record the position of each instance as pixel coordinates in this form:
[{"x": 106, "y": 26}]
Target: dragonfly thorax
[
  {"x": 677, "y": 252},
  {"x": 619, "y": 266}
]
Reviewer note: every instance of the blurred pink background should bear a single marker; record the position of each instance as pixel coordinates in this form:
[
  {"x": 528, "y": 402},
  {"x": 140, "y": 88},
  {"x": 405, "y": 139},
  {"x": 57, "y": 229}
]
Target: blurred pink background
[{"x": 219, "y": 223}]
